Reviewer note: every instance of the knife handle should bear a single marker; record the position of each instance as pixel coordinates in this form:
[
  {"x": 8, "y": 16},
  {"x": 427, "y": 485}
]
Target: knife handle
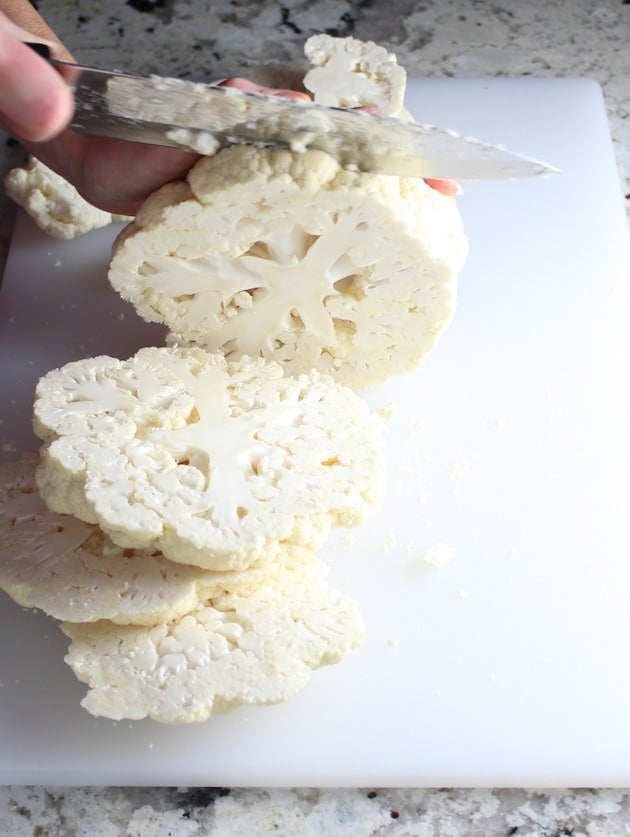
[{"x": 40, "y": 49}]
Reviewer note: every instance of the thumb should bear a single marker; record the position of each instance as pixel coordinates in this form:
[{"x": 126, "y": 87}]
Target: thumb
[{"x": 35, "y": 102}]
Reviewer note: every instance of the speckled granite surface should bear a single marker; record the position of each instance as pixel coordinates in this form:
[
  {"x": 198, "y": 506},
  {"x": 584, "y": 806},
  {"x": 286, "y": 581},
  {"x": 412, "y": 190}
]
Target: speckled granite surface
[
  {"x": 204, "y": 39},
  {"x": 143, "y": 812}
]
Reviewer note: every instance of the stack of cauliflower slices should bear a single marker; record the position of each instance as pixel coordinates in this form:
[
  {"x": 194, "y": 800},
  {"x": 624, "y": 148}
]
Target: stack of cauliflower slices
[
  {"x": 180, "y": 499},
  {"x": 268, "y": 253},
  {"x": 171, "y": 520},
  {"x": 216, "y": 463}
]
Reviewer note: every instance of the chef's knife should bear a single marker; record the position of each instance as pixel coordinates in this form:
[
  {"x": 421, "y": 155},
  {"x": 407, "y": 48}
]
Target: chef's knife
[{"x": 205, "y": 118}]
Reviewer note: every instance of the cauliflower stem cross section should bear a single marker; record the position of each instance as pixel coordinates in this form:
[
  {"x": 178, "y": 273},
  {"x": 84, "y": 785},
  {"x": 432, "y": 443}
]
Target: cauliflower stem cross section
[{"x": 215, "y": 463}]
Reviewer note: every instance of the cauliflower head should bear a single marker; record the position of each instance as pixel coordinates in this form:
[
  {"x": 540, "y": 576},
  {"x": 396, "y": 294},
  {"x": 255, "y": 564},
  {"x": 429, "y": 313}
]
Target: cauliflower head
[
  {"x": 72, "y": 571},
  {"x": 289, "y": 257},
  {"x": 235, "y": 649},
  {"x": 53, "y": 203},
  {"x": 215, "y": 463},
  {"x": 349, "y": 73}
]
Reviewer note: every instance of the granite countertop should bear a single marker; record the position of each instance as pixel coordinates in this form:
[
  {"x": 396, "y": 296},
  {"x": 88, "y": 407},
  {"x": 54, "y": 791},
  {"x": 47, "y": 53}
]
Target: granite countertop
[{"x": 469, "y": 38}]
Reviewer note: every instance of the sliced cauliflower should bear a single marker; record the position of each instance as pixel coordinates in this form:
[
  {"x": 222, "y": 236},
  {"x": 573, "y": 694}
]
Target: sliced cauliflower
[
  {"x": 235, "y": 649},
  {"x": 72, "y": 571},
  {"x": 292, "y": 258},
  {"x": 214, "y": 463},
  {"x": 53, "y": 203},
  {"x": 349, "y": 73}
]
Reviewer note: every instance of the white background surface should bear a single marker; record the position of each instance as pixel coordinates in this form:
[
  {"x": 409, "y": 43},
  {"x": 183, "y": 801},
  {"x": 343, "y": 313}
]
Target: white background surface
[{"x": 502, "y": 668}]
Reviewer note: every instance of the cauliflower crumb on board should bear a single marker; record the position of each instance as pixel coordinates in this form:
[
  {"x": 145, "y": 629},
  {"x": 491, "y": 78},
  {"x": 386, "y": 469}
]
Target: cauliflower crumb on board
[
  {"x": 232, "y": 650},
  {"x": 439, "y": 555},
  {"x": 53, "y": 203},
  {"x": 389, "y": 411},
  {"x": 72, "y": 571},
  {"x": 293, "y": 258},
  {"x": 215, "y": 463}
]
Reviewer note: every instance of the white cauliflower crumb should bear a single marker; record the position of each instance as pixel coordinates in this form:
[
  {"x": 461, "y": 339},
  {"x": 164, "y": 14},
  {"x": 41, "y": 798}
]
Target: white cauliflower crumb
[
  {"x": 390, "y": 542},
  {"x": 389, "y": 411},
  {"x": 53, "y": 203},
  {"x": 214, "y": 463},
  {"x": 350, "y": 73},
  {"x": 287, "y": 256},
  {"x": 459, "y": 468},
  {"x": 232, "y": 650},
  {"x": 72, "y": 571},
  {"x": 439, "y": 555},
  {"x": 203, "y": 142}
]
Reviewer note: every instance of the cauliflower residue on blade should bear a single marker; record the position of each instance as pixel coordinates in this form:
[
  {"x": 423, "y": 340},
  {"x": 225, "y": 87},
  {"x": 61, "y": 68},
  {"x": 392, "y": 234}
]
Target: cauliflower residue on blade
[
  {"x": 213, "y": 462},
  {"x": 292, "y": 258},
  {"x": 234, "y": 649}
]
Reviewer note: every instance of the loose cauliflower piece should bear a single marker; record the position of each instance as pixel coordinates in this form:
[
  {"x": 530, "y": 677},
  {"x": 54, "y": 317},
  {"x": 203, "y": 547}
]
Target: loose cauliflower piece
[
  {"x": 349, "y": 73},
  {"x": 235, "y": 649},
  {"x": 72, "y": 571},
  {"x": 213, "y": 462},
  {"x": 53, "y": 203},
  {"x": 290, "y": 257}
]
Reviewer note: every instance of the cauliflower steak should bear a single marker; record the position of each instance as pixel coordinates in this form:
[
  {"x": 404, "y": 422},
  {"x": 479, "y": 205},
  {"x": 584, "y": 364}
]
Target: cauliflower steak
[
  {"x": 73, "y": 571},
  {"x": 215, "y": 463},
  {"x": 289, "y": 257},
  {"x": 233, "y": 650}
]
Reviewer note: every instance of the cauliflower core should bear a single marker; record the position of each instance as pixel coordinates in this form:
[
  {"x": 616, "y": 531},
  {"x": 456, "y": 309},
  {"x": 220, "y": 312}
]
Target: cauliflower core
[
  {"x": 53, "y": 203},
  {"x": 234, "y": 649},
  {"x": 72, "y": 571},
  {"x": 214, "y": 463},
  {"x": 289, "y": 257}
]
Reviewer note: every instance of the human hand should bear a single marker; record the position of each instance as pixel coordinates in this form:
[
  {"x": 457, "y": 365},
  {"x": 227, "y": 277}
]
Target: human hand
[
  {"x": 35, "y": 102},
  {"x": 118, "y": 176},
  {"x": 36, "y": 105},
  {"x": 111, "y": 174}
]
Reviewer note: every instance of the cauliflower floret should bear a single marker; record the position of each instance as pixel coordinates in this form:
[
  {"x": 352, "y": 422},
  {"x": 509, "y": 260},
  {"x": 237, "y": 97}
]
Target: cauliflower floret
[
  {"x": 53, "y": 203},
  {"x": 292, "y": 258},
  {"x": 349, "y": 73},
  {"x": 72, "y": 571},
  {"x": 232, "y": 650},
  {"x": 214, "y": 463}
]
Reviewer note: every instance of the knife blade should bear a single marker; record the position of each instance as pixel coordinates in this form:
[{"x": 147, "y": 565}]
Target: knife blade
[{"x": 205, "y": 118}]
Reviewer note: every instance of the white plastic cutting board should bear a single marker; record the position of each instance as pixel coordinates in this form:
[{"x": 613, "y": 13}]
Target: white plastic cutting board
[{"x": 510, "y": 665}]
